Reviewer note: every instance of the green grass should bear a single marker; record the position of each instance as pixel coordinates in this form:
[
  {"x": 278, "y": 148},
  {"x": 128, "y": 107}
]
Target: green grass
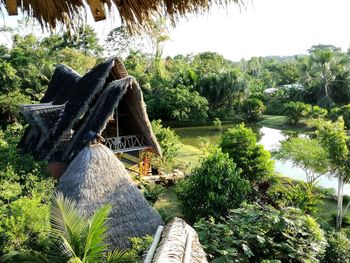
[
  {"x": 279, "y": 122},
  {"x": 188, "y": 157},
  {"x": 168, "y": 205}
]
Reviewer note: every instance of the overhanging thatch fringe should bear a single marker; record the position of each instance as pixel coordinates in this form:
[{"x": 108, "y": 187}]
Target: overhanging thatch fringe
[{"x": 138, "y": 15}]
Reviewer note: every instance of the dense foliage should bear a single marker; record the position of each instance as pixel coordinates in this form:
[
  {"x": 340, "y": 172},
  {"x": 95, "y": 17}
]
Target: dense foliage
[
  {"x": 213, "y": 188},
  {"x": 25, "y": 192},
  {"x": 263, "y": 234},
  {"x": 338, "y": 248},
  {"x": 241, "y": 145}
]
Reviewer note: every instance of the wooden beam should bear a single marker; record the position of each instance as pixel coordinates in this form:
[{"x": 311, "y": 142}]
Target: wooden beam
[
  {"x": 97, "y": 10},
  {"x": 11, "y": 6}
]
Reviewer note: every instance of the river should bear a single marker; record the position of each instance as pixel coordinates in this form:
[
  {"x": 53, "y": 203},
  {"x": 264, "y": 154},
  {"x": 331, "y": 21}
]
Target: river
[{"x": 268, "y": 137}]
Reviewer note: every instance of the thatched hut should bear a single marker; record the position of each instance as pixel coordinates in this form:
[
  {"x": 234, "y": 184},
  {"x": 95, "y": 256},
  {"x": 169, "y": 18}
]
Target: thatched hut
[
  {"x": 135, "y": 14},
  {"x": 96, "y": 177},
  {"x": 178, "y": 244},
  {"x": 105, "y": 101}
]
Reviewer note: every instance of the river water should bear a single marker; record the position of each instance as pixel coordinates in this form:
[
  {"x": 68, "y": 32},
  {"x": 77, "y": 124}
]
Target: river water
[{"x": 268, "y": 137}]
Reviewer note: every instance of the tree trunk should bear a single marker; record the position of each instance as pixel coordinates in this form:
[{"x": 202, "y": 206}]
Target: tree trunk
[{"x": 340, "y": 201}]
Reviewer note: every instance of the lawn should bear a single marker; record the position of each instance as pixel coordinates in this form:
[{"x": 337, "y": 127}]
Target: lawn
[
  {"x": 279, "y": 122},
  {"x": 168, "y": 205}
]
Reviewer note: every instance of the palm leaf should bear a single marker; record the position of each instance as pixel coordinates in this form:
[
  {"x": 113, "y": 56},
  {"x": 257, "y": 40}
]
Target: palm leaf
[
  {"x": 68, "y": 225},
  {"x": 117, "y": 256},
  {"x": 96, "y": 247}
]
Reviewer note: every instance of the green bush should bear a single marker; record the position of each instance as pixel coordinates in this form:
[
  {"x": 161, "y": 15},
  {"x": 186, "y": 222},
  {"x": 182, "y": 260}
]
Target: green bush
[
  {"x": 25, "y": 193},
  {"x": 212, "y": 188},
  {"x": 338, "y": 248},
  {"x": 295, "y": 111},
  {"x": 252, "y": 109},
  {"x": 169, "y": 143},
  {"x": 342, "y": 111},
  {"x": 318, "y": 112},
  {"x": 152, "y": 192},
  {"x": 298, "y": 194},
  {"x": 241, "y": 145},
  {"x": 254, "y": 233},
  {"x": 217, "y": 123}
]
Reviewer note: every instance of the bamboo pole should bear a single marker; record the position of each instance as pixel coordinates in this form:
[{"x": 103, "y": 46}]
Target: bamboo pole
[{"x": 154, "y": 245}]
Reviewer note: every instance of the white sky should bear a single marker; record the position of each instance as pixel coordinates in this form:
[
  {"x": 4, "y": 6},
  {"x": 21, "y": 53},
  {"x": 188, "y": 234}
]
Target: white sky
[{"x": 262, "y": 28}]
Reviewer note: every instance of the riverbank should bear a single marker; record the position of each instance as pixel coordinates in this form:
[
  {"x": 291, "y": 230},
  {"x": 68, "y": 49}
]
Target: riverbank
[{"x": 279, "y": 122}]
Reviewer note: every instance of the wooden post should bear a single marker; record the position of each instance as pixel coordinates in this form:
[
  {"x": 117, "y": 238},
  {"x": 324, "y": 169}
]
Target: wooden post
[
  {"x": 117, "y": 121},
  {"x": 97, "y": 10},
  {"x": 11, "y": 6}
]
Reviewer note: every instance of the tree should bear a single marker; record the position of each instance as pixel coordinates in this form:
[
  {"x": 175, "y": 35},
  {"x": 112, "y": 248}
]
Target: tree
[
  {"x": 252, "y": 108},
  {"x": 307, "y": 154},
  {"x": 224, "y": 188},
  {"x": 333, "y": 137},
  {"x": 254, "y": 233},
  {"x": 295, "y": 111},
  {"x": 241, "y": 145}
]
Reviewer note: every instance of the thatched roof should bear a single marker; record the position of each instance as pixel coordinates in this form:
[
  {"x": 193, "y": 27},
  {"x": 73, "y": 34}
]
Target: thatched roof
[
  {"x": 179, "y": 244},
  {"x": 95, "y": 178},
  {"x": 136, "y": 14},
  {"x": 82, "y": 104}
]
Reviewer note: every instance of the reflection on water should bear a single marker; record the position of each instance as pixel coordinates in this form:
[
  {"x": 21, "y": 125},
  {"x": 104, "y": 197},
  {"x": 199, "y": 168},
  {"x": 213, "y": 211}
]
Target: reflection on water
[{"x": 268, "y": 137}]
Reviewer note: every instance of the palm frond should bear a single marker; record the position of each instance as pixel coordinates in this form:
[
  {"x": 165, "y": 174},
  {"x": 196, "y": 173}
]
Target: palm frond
[
  {"x": 119, "y": 256},
  {"x": 95, "y": 243},
  {"x": 69, "y": 225}
]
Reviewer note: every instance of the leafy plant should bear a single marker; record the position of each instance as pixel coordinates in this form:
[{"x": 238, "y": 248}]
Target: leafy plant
[
  {"x": 252, "y": 108},
  {"x": 217, "y": 124},
  {"x": 241, "y": 145},
  {"x": 338, "y": 248},
  {"x": 254, "y": 233},
  {"x": 212, "y": 188},
  {"x": 152, "y": 191},
  {"x": 295, "y": 111}
]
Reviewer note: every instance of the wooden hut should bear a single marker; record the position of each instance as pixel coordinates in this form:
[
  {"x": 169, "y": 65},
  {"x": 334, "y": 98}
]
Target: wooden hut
[{"x": 105, "y": 101}]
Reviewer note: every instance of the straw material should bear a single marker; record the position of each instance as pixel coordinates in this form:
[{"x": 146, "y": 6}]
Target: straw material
[
  {"x": 138, "y": 15},
  {"x": 179, "y": 244},
  {"x": 95, "y": 178},
  {"x": 83, "y": 104}
]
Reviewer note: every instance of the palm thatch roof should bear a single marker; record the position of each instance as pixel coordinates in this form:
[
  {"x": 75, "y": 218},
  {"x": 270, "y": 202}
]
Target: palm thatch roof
[
  {"x": 95, "y": 178},
  {"x": 179, "y": 244},
  {"x": 73, "y": 106},
  {"x": 136, "y": 14}
]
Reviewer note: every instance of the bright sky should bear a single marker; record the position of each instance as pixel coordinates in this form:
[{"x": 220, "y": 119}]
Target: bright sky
[
  {"x": 262, "y": 28},
  {"x": 265, "y": 27}
]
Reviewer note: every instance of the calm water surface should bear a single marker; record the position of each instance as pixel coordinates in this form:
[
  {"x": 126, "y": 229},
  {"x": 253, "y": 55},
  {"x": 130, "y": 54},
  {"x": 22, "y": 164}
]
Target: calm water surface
[{"x": 270, "y": 138}]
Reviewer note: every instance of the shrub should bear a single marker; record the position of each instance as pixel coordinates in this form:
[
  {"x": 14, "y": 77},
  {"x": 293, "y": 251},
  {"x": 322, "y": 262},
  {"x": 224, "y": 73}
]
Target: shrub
[
  {"x": 217, "y": 124},
  {"x": 253, "y": 108},
  {"x": 254, "y": 233},
  {"x": 342, "y": 111},
  {"x": 338, "y": 248},
  {"x": 152, "y": 192},
  {"x": 318, "y": 112},
  {"x": 295, "y": 111},
  {"x": 213, "y": 188},
  {"x": 241, "y": 145},
  {"x": 169, "y": 143}
]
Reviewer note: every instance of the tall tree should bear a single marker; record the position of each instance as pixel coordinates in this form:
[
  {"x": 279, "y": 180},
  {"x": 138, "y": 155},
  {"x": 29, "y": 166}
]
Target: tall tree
[{"x": 333, "y": 137}]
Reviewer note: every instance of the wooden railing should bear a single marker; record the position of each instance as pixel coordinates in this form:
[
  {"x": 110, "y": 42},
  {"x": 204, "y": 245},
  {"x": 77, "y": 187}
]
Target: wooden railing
[{"x": 126, "y": 143}]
